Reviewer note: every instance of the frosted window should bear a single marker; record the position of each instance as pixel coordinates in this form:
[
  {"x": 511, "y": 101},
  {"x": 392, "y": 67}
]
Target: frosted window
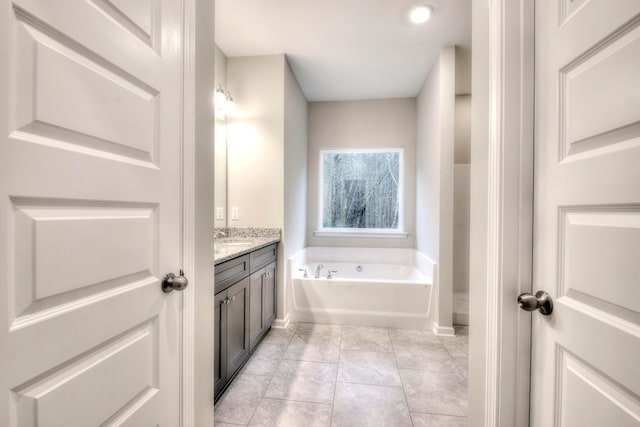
[{"x": 360, "y": 189}]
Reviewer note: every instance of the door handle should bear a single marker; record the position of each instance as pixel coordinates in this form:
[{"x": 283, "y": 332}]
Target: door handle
[
  {"x": 171, "y": 282},
  {"x": 541, "y": 301}
]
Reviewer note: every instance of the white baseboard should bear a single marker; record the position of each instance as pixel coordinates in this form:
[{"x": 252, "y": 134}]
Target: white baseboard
[
  {"x": 282, "y": 323},
  {"x": 443, "y": 331}
]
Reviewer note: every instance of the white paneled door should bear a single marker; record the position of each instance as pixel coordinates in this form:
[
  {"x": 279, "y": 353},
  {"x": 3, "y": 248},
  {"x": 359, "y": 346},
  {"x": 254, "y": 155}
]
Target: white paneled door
[
  {"x": 90, "y": 212},
  {"x": 586, "y": 355}
]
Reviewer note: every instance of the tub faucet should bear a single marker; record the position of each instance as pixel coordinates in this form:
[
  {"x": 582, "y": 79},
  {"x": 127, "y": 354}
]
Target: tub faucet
[
  {"x": 320, "y": 267},
  {"x": 329, "y": 276}
]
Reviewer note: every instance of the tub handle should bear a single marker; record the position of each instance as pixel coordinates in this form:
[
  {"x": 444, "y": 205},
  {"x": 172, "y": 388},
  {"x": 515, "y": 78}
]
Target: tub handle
[
  {"x": 329, "y": 276},
  {"x": 306, "y": 275}
]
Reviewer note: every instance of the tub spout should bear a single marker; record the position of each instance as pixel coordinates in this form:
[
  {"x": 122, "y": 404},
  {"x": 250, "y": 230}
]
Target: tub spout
[{"x": 318, "y": 268}]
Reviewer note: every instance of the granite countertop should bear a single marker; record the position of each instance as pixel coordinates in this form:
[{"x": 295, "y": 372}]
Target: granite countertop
[{"x": 241, "y": 241}]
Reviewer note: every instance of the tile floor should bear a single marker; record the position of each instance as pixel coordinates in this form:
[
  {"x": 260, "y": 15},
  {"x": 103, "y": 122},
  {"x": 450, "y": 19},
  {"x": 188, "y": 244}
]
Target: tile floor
[{"x": 332, "y": 375}]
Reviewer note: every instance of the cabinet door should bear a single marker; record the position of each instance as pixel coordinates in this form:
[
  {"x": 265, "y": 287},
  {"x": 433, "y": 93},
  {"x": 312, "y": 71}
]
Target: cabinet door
[
  {"x": 237, "y": 325},
  {"x": 269, "y": 295},
  {"x": 220, "y": 342},
  {"x": 255, "y": 311}
]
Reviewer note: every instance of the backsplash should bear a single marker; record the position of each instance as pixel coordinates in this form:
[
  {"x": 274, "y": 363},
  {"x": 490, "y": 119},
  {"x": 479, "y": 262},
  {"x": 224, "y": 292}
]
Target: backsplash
[{"x": 249, "y": 232}]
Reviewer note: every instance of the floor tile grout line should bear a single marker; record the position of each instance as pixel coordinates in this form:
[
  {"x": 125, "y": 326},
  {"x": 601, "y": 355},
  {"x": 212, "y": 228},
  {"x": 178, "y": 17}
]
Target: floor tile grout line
[
  {"x": 453, "y": 371},
  {"x": 279, "y": 399},
  {"x": 372, "y": 385},
  {"x": 335, "y": 384},
  {"x": 440, "y": 414},
  {"x": 404, "y": 391},
  {"x": 268, "y": 385}
]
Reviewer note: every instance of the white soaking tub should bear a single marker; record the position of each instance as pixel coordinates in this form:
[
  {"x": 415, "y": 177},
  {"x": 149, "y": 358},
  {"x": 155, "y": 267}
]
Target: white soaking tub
[{"x": 372, "y": 286}]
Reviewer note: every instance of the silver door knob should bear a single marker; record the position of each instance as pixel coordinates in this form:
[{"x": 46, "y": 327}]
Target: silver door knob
[
  {"x": 171, "y": 282},
  {"x": 541, "y": 301}
]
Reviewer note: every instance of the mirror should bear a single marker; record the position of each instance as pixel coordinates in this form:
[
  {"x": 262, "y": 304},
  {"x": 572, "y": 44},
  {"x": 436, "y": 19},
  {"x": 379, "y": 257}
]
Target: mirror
[{"x": 220, "y": 168}]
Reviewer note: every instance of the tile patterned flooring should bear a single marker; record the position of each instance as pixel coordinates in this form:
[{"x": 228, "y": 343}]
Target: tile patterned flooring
[{"x": 332, "y": 375}]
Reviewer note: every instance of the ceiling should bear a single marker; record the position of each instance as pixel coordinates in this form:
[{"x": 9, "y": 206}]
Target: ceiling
[{"x": 345, "y": 49}]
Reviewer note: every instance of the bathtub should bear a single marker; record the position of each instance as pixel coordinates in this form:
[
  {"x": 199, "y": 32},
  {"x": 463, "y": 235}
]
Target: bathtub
[{"x": 371, "y": 287}]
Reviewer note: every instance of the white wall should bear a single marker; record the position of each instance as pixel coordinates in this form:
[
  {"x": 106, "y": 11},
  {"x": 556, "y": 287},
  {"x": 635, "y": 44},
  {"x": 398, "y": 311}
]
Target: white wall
[
  {"x": 380, "y": 123},
  {"x": 295, "y": 177},
  {"x": 220, "y": 67},
  {"x": 267, "y": 155},
  {"x": 255, "y": 141},
  {"x": 434, "y": 177},
  {"x": 461, "y": 183}
]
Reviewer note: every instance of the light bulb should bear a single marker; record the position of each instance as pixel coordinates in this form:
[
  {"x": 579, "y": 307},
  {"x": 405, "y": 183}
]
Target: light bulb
[
  {"x": 219, "y": 99},
  {"x": 230, "y": 106},
  {"x": 420, "y": 14}
]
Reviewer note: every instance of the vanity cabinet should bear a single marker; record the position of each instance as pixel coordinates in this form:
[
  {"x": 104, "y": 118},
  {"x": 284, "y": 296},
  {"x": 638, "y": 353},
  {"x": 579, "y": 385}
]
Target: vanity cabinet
[
  {"x": 245, "y": 307},
  {"x": 231, "y": 334},
  {"x": 263, "y": 303}
]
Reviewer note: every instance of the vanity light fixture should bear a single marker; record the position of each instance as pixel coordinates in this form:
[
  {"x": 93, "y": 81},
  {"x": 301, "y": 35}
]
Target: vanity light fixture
[
  {"x": 229, "y": 106},
  {"x": 219, "y": 98},
  {"x": 420, "y": 14},
  {"x": 223, "y": 102}
]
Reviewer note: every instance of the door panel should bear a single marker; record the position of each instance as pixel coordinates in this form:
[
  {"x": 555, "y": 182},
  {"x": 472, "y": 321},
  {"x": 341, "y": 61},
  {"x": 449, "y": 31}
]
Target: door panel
[
  {"x": 90, "y": 204},
  {"x": 269, "y": 296},
  {"x": 586, "y": 218},
  {"x": 238, "y": 325},
  {"x": 94, "y": 389},
  {"x": 220, "y": 342},
  {"x": 256, "y": 324},
  {"x": 583, "y": 387}
]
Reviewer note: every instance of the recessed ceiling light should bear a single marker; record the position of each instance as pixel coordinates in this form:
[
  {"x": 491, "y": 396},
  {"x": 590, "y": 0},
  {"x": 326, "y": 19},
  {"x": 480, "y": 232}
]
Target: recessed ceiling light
[{"x": 420, "y": 14}]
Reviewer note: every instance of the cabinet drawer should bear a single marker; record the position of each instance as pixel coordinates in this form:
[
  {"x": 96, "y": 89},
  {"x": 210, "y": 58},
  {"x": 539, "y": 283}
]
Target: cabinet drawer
[
  {"x": 263, "y": 257},
  {"x": 229, "y": 272}
]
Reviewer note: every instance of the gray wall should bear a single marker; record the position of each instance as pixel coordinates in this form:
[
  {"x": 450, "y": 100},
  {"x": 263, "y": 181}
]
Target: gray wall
[
  {"x": 379, "y": 123},
  {"x": 220, "y": 153},
  {"x": 462, "y": 158}
]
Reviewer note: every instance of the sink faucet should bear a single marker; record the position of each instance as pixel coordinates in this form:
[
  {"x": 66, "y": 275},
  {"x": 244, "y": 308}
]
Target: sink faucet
[
  {"x": 218, "y": 234},
  {"x": 320, "y": 267}
]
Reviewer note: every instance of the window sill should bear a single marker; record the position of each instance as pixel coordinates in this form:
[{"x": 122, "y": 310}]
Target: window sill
[{"x": 392, "y": 234}]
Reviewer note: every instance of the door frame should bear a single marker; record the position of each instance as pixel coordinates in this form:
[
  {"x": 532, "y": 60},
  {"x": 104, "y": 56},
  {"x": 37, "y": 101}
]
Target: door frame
[
  {"x": 501, "y": 211},
  {"x": 198, "y": 86}
]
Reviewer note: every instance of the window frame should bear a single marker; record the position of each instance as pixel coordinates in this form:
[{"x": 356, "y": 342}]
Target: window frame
[{"x": 361, "y": 232}]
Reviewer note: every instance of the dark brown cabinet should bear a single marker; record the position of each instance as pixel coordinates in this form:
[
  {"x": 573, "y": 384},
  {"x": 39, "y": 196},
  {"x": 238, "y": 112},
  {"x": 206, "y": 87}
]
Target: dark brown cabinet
[
  {"x": 263, "y": 303},
  {"x": 231, "y": 335},
  {"x": 245, "y": 307}
]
